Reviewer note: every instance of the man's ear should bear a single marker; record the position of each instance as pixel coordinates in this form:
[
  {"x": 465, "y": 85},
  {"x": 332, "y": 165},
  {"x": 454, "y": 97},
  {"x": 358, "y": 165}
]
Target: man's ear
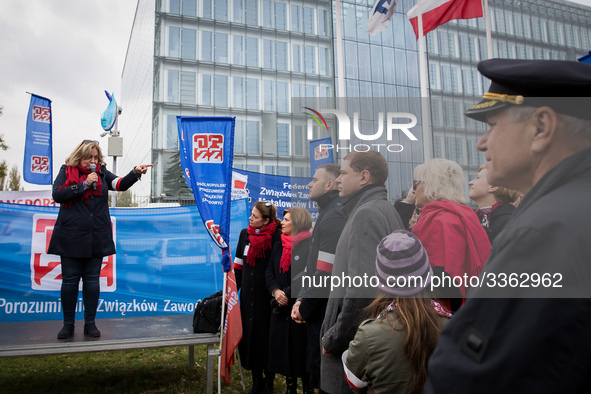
[
  {"x": 365, "y": 177},
  {"x": 545, "y": 121},
  {"x": 329, "y": 185}
]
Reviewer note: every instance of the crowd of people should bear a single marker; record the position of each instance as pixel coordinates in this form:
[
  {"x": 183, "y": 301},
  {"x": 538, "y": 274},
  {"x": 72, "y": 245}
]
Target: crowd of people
[
  {"x": 401, "y": 333},
  {"x": 490, "y": 300}
]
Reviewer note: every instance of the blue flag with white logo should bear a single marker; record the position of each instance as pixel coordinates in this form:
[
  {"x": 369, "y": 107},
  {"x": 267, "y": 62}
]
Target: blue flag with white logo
[
  {"x": 320, "y": 154},
  {"x": 207, "y": 144},
  {"x": 38, "y": 162},
  {"x": 380, "y": 17}
]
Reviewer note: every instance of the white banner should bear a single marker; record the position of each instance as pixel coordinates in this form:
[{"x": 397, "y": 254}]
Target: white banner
[{"x": 38, "y": 197}]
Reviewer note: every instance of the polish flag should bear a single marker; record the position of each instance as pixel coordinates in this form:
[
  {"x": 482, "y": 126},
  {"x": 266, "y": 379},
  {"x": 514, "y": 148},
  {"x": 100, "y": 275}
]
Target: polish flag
[
  {"x": 439, "y": 12},
  {"x": 232, "y": 327}
]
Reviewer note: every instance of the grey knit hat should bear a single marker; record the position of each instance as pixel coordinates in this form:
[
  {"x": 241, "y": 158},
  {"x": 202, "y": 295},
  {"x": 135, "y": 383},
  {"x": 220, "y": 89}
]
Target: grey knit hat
[{"x": 402, "y": 265}]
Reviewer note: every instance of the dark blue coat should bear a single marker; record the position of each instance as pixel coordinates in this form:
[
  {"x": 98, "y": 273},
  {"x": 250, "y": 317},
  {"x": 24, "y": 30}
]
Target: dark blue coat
[{"x": 85, "y": 230}]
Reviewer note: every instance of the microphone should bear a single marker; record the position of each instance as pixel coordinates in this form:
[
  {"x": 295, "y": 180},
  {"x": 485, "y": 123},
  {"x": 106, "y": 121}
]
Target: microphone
[{"x": 93, "y": 170}]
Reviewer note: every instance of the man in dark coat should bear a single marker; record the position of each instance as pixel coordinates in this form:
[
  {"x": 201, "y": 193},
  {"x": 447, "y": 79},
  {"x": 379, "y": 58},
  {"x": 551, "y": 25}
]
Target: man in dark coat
[
  {"x": 370, "y": 217},
  {"x": 311, "y": 303},
  {"x": 526, "y": 329}
]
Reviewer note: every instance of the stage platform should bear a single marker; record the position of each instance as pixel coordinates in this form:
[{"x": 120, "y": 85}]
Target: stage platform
[{"x": 40, "y": 338}]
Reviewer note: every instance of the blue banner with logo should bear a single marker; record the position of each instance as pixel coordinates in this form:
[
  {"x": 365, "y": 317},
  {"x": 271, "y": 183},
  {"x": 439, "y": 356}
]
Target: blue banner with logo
[
  {"x": 208, "y": 146},
  {"x": 283, "y": 191},
  {"x": 320, "y": 154},
  {"x": 38, "y": 162},
  {"x": 165, "y": 262}
]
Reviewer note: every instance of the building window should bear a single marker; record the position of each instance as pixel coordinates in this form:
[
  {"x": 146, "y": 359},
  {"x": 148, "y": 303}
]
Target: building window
[
  {"x": 206, "y": 46},
  {"x": 239, "y": 136},
  {"x": 172, "y": 93},
  {"x": 190, "y": 7},
  {"x": 188, "y": 44},
  {"x": 252, "y": 12},
  {"x": 238, "y": 92},
  {"x": 268, "y": 58},
  {"x": 283, "y": 170},
  {"x": 296, "y": 18},
  {"x": 188, "y": 87},
  {"x": 324, "y": 61},
  {"x": 220, "y": 90},
  {"x": 322, "y": 23},
  {"x": 207, "y": 8},
  {"x": 238, "y": 11},
  {"x": 206, "y": 89},
  {"x": 282, "y": 62},
  {"x": 238, "y": 50},
  {"x": 221, "y": 10},
  {"x": 296, "y": 58},
  {"x": 283, "y": 98},
  {"x": 308, "y": 20},
  {"x": 174, "y": 41},
  {"x": 253, "y": 137},
  {"x": 298, "y": 141},
  {"x": 269, "y": 95},
  {"x": 310, "y": 57},
  {"x": 268, "y": 13},
  {"x": 252, "y": 51},
  {"x": 252, "y": 93},
  {"x": 172, "y": 134},
  {"x": 283, "y": 139},
  {"x": 221, "y": 48},
  {"x": 174, "y": 7},
  {"x": 281, "y": 16}
]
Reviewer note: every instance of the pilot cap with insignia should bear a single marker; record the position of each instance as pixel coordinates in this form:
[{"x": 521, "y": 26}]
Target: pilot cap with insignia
[{"x": 565, "y": 86}]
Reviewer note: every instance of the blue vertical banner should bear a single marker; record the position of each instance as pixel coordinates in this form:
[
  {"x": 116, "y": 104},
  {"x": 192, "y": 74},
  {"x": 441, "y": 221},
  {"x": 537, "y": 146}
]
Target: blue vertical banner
[
  {"x": 207, "y": 144},
  {"x": 38, "y": 162},
  {"x": 320, "y": 153}
]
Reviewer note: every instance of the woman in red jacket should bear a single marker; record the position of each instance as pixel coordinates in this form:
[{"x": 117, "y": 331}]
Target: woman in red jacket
[{"x": 450, "y": 231}]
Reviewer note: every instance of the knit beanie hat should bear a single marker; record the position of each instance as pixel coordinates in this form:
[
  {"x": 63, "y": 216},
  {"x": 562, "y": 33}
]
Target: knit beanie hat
[{"x": 402, "y": 265}]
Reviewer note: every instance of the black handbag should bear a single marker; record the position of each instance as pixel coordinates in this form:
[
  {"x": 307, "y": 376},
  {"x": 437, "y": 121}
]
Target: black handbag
[{"x": 208, "y": 314}]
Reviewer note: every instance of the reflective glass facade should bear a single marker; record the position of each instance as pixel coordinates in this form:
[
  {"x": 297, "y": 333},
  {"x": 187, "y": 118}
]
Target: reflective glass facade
[{"x": 262, "y": 61}]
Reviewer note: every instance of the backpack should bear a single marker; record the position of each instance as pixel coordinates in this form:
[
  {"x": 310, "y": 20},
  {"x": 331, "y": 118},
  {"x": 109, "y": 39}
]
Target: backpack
[{"x": 208, "y": 314}]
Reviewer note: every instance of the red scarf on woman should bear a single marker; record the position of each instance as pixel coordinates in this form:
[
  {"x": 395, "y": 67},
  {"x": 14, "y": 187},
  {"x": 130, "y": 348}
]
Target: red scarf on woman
[
  {"x": 288, "y": 242},
  {"x": 78, "y": 174},
  {"x": 260, "y": 241}
]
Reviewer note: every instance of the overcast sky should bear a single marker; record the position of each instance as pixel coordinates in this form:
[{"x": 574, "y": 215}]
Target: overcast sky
[{"x": 69, "y": 51}]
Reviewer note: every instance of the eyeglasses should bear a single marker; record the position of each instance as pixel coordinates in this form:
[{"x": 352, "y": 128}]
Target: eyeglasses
[
  {"x": 416, "y": 184},
  {"x": 90, "y": 142},
  {"x": 417, "y": 211}
]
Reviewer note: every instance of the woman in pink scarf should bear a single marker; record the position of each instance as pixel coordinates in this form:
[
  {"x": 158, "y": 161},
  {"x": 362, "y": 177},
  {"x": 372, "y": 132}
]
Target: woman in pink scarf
[
  {"x": 287, "y": 356},
  {"x": 455, "y": 241}
]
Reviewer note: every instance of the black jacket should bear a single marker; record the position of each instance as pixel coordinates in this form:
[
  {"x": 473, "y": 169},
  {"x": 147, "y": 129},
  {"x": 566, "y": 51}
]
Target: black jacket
[
  {"x": 498, "y": 219},
  {"x": 255, "y": 308},
  {"x": 287, "y": 339},
  {"x": 534, "y": 339},
  {"x": 85, "y": 230}
]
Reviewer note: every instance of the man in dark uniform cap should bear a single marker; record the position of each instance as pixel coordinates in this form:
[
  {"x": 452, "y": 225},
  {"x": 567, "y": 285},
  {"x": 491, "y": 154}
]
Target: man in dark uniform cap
[{"x": 528, "y": 327}]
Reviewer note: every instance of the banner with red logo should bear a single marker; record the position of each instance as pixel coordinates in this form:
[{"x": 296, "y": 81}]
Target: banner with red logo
[
  {"x": 38, "y": 162},
  {"x": 320, "y": 154},
  {"x": 208, "y": 146}
]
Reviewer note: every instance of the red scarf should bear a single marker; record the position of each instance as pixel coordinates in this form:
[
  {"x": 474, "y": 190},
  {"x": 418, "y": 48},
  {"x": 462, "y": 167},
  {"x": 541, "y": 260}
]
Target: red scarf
[
  {"x": 288, "y": 242},
  {"x": 260, "y": 241},
  {"x": 78, "y": 174}
]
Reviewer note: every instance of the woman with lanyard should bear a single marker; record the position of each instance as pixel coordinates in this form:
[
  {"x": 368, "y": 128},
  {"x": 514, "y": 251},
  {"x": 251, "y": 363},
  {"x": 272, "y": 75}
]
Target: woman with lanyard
[
  {"x": 252, "y": 256},
  {"x": 287, "y": 356}
]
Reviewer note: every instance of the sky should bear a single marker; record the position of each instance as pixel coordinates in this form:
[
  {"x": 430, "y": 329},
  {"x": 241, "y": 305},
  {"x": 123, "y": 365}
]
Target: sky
[{"x": 69, "y": 51}]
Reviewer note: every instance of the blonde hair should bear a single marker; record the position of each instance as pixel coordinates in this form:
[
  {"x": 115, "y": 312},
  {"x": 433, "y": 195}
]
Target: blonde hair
[
  {"x": 443, "y": 180},
  {"x": 503, "y": 194},
  {"x": 84, "y": 151},
  {"x": 300, "y": 219}
]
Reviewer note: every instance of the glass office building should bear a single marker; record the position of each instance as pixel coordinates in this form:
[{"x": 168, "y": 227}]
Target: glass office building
[{"x": 262, "y": 61}]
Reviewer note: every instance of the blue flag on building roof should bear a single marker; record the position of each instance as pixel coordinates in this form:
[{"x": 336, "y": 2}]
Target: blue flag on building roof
[
  {"x": 207, "y": 144},
  {"x": 380, "y": 16},
  {"x": 38, "y": 161}
]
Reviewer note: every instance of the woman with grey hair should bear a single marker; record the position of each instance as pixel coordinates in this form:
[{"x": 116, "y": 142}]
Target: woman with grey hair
[{"x": 450, "y": 231}]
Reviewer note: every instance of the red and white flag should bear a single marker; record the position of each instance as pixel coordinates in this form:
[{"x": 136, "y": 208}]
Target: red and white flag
[
  {"x": 232, "y": 327},
  {"x": 439, "y": 12}
]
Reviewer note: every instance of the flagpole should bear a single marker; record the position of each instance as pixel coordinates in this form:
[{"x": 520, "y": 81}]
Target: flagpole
[
  {"x": 222, "y": 332},
  {"x": 340, "y": 65},
  {"x": 489, "y": 46},
  {"x": 424, "y": 90}
]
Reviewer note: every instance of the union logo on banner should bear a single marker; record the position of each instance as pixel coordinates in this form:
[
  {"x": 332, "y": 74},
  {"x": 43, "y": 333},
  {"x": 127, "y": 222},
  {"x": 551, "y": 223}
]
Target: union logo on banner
[
  {"x": 320, "y": 152},
  {"x": 41, "y": 114},
  {"x": 40, "y": 164},
  {"x": 46, "y": 269},
  {"x": 208, "y": 148}
]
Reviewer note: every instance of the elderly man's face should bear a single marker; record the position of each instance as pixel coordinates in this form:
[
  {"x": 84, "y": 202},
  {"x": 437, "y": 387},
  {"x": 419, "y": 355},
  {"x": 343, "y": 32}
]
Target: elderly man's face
[{"x": 506, "y": 150}]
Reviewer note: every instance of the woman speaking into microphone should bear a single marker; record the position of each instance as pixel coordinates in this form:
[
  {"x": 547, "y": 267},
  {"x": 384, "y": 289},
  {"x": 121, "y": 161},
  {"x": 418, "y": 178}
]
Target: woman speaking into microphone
[{"x": 83, "y": 234}]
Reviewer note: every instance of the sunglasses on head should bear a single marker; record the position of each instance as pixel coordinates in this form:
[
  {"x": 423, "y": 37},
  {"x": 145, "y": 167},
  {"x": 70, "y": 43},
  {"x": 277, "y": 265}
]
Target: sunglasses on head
[
  {"x": 90, "y": 142},
  {"x": 416, "y": 184}
]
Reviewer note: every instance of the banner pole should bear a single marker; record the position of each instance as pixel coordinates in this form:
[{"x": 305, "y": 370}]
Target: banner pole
[{"x": 222, "y": 332}]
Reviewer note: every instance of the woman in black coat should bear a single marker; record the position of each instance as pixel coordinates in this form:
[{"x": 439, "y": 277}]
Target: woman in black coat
[
  {"x": 287, "y": 352},
  {"x": 252, "y": 256},
  {"x": 83, "y": 233}
]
